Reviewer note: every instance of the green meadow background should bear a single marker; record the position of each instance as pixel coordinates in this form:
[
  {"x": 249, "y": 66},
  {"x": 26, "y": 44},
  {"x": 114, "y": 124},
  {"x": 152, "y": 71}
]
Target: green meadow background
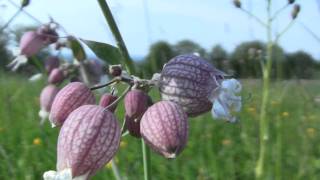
[{"x": 215, "y": 150}]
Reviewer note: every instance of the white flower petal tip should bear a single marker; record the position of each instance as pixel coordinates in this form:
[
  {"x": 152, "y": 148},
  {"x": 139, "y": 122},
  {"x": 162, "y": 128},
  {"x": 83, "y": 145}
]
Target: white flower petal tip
[
  {"x": 228, "y": 103},
  {"x": 35, "y": 77},
  {"x": 196, "y": 54},
  {"x": 17, "y": 62},
  {"x": 43, "y": 114},
  {"x": 156, "y": 78},
  {"x": 62, "y": 175}
]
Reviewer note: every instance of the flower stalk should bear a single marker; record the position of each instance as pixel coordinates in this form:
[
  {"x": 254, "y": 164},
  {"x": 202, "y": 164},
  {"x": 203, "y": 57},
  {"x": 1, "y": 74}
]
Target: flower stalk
[
  {"x": 117, "y": 35},
  {"x": 264, "y": 122},
  {"x": 130, "y": 69}
]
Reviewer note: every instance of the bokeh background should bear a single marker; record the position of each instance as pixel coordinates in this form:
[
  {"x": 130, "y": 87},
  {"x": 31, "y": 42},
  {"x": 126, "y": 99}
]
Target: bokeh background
[{"x": 155, "y": 31}]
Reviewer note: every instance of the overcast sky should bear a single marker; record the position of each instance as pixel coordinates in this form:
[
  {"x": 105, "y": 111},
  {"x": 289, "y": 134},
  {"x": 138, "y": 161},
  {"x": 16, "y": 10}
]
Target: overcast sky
[{"x": 142, "y": 22}]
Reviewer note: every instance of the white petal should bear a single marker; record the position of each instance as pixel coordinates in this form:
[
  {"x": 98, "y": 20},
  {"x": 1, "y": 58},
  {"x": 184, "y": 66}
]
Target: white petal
[
  {"x": 231, "y": 85},
  {"x": 17, "y": 62},
  {"x": 35, "y": 77},
  {"x": 227, "y": 103}
]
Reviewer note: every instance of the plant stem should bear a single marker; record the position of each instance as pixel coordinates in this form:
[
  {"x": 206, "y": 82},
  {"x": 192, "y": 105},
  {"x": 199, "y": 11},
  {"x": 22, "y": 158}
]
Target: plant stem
[
  {"x": 116, "y": 33},
  {"x": 279, "y": 11},
  {"x": 10, "y": 20},
  {"x": 146, "y": 160},
  {"x": 83, "y": 73},
  {"x": 115, "y": 170},
  {"x": 254, "y": 17},
  {"x": 119, "y": 98},
  {"x": 105, "y": 85},
  {"x": 264, "y": 122}
]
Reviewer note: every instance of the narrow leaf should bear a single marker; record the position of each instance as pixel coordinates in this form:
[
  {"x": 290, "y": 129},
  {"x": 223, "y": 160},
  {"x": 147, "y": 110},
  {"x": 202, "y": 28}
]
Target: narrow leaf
[
  {"x": 77, "y": 49},
  {"x": 106, "y": 52}
]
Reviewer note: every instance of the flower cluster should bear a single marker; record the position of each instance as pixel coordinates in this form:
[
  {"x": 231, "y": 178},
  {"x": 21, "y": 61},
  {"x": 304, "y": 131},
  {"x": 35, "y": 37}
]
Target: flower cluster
[{"x": 90, "y": 134}]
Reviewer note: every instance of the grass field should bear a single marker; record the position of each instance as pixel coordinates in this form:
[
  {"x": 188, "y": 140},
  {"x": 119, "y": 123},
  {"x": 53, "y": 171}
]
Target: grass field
[{"x": 215, "y": 150}]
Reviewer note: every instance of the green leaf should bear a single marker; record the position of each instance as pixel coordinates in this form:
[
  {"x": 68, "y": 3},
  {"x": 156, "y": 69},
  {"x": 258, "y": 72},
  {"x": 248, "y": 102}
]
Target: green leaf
[
  {"x": 106, "y": 52},
  {"x": 77, "y": 49}
]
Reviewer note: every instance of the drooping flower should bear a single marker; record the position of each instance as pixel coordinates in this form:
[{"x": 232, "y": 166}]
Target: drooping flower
[
  {"x": 46, "y": 99},
  {"x": 164, "y": 127},
  {"x": 228, "y": 102},
  {"x": 30, "y": 44},
  {"x": 89, "y": 139},
  {"x": 68, "y": 99},
  {"x": 191, "y": 82}
]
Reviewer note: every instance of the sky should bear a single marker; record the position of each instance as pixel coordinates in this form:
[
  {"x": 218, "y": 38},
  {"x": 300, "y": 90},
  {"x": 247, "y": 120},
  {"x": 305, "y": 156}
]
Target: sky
[{"x": 143, "y": 22}]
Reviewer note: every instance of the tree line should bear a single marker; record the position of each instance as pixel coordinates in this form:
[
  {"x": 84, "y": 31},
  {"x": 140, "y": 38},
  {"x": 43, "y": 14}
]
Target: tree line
[{"x": 243, "y": 62}]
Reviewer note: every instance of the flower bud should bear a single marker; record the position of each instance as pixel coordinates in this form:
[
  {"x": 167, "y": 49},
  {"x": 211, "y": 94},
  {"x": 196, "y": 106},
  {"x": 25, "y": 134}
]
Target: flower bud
[
  {"x": 295, "y": 11},
  {"x": 89, "y": 138},
  {"x": 115, "y": 70},
  {"x": 108, "y": 99},
  {"x": 164, "y": 127},
  {"x": 25, "y": 3},
  {"x": 47, "y": 96},
  {"x": 237, "y": 3},
  {"x": 135, "y": 103},
  {"x": 30, "y": 43},
  {"x": 291, "y": 1},
  {"x": 51, "y": 63},
  {"x": 56, "y": 76},
  {"x": 48, "y": 34},
  {"x": 68, "y": 99},
  {"x": 190, "y": 81},
  {"x": 133, "y": 126}
]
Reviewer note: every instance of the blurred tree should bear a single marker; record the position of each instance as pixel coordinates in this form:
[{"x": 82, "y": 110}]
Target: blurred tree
[
  {"x": 159, "y": 53},
  {"x": 246, "y": 57},
  {"x": 218, "y": 57},
  {"x": 5, "y": 55},
  {"x": 300, "y": 65},
  {"x": 189, "y": 47}
]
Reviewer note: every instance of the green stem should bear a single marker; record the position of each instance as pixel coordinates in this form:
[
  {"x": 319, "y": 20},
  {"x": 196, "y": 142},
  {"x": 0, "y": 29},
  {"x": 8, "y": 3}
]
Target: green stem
[
  {"x": 130, "y": 68},
  {"x": 264, "y": 122},
  {"x": 284, "y": 31},
  {"x": 10, "y": 20},
  {"x": 115, "y": 170},
  {"x": 254, "y": 17},
  {"x": 146, "y": 160},
  {"x": 116, "y": 33},
  {"x": 279, "y": 11}
]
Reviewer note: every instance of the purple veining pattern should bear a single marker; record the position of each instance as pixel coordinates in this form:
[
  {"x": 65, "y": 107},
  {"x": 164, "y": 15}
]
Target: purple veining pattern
[
  {"x": 47, "y": 96},
  {"x": 136, "y": 103},
  {"x": 88, "y": 139},
  {"x": 189, "y": 81},
  {"x": 69, "y": 98},
  {"x": 164, "y": 127}
]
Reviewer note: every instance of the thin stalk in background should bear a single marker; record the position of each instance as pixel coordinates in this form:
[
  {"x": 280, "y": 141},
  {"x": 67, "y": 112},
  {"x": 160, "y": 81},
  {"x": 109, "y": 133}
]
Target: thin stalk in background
[
  {"x": 11, "y": 20},
  {"x": 264, "y": 122},
  {"x": 146, "y": 160},
  {"x": 117, "y": 36},
  {"x": 129, "y": 67}
]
